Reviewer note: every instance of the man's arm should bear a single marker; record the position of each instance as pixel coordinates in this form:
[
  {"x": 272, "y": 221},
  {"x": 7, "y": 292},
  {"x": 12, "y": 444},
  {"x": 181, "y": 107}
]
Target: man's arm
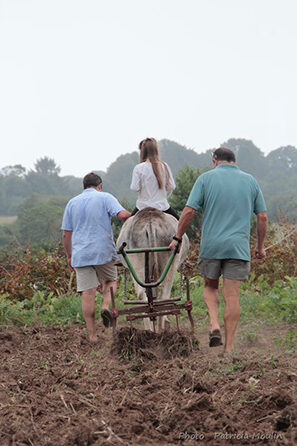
[
  {"x": 67, "y": 243},
  {"x": 183, "y": 224},
  {"x": 261, "y": 232},
  {"x": 123, "y": 215}
]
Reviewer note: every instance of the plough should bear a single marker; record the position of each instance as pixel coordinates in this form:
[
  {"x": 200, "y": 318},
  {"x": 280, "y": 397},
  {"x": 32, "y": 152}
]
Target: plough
[{"x": 152, "y": 308}]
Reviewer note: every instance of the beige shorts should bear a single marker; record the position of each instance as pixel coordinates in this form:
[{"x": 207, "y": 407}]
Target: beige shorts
[
  {"x": 234, "y": 269},
  {"x": 88, "y": 277}
]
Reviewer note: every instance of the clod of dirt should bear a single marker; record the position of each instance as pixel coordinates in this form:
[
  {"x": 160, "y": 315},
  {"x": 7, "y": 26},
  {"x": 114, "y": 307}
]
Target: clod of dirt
[
  {"x": 56, "y": 392},
  {"x": 198, "y": 402},
  {"x": 287, "y": 418},
  {"x": 192, "y": 384},
  {"x": 5, "y": 337},
  {"x": 131, "y": 343},
  {"x": 277, "y": 400}
]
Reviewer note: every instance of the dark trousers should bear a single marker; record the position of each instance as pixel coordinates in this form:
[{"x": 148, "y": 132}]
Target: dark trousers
[{"x": 170, "y": 211}]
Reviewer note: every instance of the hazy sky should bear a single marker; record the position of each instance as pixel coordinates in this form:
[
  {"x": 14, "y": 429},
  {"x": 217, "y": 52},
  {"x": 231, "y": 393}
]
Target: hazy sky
[{"x": 83, "y": 81}]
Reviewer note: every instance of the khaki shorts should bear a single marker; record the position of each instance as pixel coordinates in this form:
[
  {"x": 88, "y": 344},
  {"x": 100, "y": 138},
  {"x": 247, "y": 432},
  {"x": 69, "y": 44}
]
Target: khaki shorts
[
  {"x": 88, "y": 277},
  {"x": 234, "y": 269}
]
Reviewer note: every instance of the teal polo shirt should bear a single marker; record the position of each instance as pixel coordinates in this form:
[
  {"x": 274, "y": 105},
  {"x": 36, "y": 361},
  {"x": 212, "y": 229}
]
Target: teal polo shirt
[{"x": 228, "y": 198}]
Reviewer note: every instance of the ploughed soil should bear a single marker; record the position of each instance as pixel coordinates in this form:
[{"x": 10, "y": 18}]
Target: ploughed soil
[{"x": 139, "y": 388}]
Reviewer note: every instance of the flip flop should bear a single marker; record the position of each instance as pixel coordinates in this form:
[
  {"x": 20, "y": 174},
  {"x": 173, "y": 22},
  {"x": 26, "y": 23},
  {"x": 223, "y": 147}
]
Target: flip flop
[
  {"x": 106, "y": 318},
  {"x": 215, "y": 338}
]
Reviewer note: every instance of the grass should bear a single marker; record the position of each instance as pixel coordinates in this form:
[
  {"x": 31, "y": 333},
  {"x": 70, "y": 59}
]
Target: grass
[
  {"x": 7, "y": 219},
  {"x": 288, "y": 342},
  {"x": 44, "y": 309},
  {"x": 258, "y": 302},
  {"x": 250, "y": 335}
]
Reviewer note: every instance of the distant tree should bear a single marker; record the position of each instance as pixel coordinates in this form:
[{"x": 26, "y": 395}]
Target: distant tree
[
  {"x": 118, "y": 177},
  {"x": 17, "y": 170},
  {"x": 178, "y": 156},
  {"x": 39, "y": 220},
  {"x": 249, "y": 157},
  {"x": 6, "y": 235},
  {"x": 70, "y": 186},
  {"x": 284, "y": 204},
  {"x": 184, "y": 183},
  {"x": 13, "y": 188},
  {"x": 276, "y": 174},
  {"x": 44, "y": 184},
  {"x": 116, "y": 222},
  {"x": 283, "y": 161},
  {"x": 3, "y": 204},
  {"x": 47, "y": 166},
  {"x": 101, "y": 173},
  {"x": 279, "y": 184}
]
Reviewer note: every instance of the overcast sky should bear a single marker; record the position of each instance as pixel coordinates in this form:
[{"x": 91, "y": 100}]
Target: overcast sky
[{"x": 83, "y": 81}]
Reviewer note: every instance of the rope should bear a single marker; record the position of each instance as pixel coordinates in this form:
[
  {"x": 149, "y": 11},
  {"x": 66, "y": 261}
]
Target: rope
[{"x": 282, "y": 239}]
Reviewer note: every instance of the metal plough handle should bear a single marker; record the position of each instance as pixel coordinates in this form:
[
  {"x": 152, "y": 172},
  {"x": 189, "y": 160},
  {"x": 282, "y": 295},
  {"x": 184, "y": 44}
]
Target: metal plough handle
[{"x": 145, "y": 250}]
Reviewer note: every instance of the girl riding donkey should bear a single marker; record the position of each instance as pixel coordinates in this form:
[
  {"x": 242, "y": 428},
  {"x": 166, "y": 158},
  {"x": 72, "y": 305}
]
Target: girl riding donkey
[{"x": 152, "y": 179}]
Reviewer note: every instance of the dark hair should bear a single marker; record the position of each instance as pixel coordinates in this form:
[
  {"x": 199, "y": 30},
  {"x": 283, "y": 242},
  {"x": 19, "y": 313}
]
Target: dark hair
[
  {"x": 91, "y": 180},
  {"x": 224, "y": 154},
  {"x": 149, "y": 151}
]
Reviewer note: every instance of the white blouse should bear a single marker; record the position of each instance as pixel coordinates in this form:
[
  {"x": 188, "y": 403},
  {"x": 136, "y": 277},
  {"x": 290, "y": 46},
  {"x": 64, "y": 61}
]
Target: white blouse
[{"x": 145, "y": 183}]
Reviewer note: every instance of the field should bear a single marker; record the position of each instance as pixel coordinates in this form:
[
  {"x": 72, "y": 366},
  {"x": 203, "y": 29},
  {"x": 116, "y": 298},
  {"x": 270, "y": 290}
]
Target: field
[
  {"x": 139, "y": 388},
  {"x": 57, "y": 389},
  {"x": 7, "y": 220}
]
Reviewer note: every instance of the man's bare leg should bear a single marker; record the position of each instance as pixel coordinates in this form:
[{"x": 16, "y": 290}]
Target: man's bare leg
[
  {"x": 106, "y": 293},
  {"x": 211, "y": 299},
  {"x": 88, "y": 310},
  {"x": 232, "y": 311}
]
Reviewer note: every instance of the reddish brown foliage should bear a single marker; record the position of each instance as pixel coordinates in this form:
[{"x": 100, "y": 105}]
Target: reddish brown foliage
[
  {"x": 281, "y": 253},
  {"x": 21, "y": 275}
]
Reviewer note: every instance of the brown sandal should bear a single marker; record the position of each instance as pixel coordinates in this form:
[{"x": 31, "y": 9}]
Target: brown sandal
[
  {"x": 106, "y": 318},
  {"x": 215, "y": 338}
]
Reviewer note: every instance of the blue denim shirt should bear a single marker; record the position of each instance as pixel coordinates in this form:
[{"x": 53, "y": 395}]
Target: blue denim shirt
[{"x": 88, "y": 216}]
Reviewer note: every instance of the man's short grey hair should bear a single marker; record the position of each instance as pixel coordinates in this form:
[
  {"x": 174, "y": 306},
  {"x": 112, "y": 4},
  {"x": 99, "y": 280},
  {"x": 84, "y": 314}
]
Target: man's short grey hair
[{"x": 91, "y": 180}]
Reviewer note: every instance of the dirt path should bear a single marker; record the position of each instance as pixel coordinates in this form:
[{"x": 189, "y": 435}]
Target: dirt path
[{"x": 56, "y": 389}]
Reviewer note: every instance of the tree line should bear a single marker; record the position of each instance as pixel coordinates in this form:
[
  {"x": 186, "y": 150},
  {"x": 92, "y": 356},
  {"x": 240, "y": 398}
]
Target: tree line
[{"x": 38, "y": 197}]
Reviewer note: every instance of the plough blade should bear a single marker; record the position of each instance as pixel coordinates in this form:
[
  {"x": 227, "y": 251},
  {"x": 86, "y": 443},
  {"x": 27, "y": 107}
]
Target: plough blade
[{"x": 153, "y": 308}]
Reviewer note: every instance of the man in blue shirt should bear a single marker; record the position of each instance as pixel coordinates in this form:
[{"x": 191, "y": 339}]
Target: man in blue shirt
[
  {"x": 228, "y": 198},
  {"x": 90, "y": 248}
]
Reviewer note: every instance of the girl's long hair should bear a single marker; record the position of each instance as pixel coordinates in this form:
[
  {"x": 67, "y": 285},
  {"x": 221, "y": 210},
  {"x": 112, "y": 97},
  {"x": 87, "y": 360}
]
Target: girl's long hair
[{"x": 149, "y": 151}]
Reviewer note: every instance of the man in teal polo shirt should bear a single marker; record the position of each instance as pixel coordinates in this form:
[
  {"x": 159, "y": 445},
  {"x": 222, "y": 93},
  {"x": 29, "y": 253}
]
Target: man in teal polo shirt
[{"x": 228, "y": 198}]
